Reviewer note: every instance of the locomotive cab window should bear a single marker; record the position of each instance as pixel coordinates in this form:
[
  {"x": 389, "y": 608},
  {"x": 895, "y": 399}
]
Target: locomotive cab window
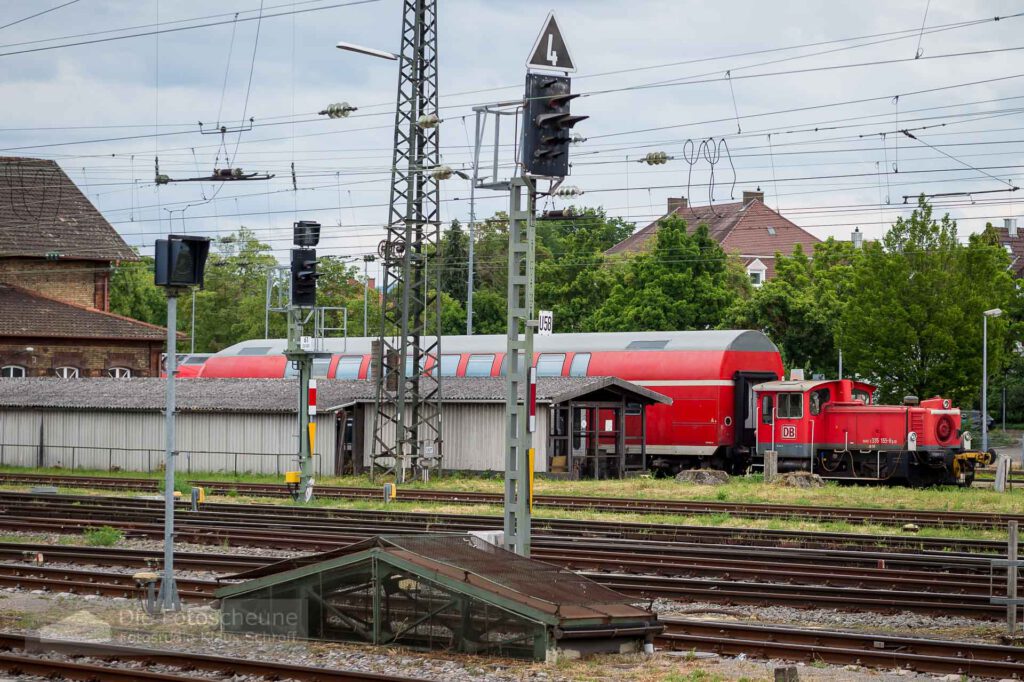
[
  {"x": 862, "y": 396},
  {"x": 791, "y": 406},
  {"x": 818, "y": 400},
  {"x": 766, "y": 409}
]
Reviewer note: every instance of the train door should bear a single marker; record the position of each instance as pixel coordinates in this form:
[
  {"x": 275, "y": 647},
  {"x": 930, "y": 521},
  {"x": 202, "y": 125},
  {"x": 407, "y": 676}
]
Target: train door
[{"x": 745, "y": 409}]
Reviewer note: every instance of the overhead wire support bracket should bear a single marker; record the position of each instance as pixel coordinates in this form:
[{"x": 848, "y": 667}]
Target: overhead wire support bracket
[{"x": 223, "y": 130}]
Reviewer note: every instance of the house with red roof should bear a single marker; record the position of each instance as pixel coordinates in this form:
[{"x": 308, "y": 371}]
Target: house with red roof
[
  {"x": 57, "y": 253},
  {"x": 747, "y": 229}
]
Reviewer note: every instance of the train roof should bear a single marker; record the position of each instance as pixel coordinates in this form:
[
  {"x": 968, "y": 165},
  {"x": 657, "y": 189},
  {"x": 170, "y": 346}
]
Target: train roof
[
  {"x": 709, "y": 340},
  {"x": 805, "y": 385}
]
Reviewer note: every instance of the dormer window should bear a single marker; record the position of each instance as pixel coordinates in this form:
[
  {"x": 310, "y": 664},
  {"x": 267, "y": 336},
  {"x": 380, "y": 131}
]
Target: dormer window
[{"x": 758, "y": 272}]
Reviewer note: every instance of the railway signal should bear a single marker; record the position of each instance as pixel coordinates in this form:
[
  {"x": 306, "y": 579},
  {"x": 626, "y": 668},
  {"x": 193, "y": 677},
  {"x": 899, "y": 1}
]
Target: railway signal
[
  {"x": 547, "y": 125},
  {"x": 180, "y": 264},
  {"x": 304, "y": 277}
]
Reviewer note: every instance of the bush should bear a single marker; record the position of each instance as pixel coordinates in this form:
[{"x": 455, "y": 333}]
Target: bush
[{"x": 104, "y": 536}]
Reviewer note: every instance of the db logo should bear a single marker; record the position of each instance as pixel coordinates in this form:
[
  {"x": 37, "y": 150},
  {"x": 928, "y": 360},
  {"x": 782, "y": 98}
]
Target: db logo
[{"x": 789, "y": 432}]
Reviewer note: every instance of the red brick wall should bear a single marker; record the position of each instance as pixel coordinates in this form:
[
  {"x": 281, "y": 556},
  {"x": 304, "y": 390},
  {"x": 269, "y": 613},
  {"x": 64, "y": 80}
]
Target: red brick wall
[
  {"x": 80, "y": 282},
  {"x": 92, "y": 358}
]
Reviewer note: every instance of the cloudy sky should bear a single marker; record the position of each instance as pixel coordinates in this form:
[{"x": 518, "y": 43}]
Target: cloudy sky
[{"x": 807, "y": 95}]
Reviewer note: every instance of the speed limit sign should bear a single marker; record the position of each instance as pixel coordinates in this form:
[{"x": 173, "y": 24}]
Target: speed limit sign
[{"x": 545, "y": 322}]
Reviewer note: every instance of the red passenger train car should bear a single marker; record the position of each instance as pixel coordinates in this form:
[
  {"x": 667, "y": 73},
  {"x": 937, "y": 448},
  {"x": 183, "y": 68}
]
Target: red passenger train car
[
  {"x": 833, "y": 429},
  {"x": 708, "y": 374}
]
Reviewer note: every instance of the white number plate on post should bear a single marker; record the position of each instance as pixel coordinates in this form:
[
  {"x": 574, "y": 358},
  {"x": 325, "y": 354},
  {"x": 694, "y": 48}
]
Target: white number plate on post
[{"x": 545, "y": 322}]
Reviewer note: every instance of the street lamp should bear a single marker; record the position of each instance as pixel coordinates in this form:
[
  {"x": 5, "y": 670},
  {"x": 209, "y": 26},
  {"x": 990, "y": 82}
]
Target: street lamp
[
  {"x": 995, "y": 312},
  {"x": 361, "y": 49}
]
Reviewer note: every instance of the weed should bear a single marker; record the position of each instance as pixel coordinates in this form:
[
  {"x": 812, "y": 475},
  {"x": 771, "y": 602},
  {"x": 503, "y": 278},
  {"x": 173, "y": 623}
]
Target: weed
[{"x": 104, "y": 536}]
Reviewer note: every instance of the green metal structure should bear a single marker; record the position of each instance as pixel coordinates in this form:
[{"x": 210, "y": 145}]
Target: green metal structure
[{"x": 450, "y": 592}]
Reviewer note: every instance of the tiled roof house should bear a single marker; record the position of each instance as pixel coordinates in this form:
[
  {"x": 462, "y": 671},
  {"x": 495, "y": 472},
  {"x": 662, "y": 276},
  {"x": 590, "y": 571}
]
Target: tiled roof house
[
  {"x": 56, "y": 256},
  {"x": 747, "y": 229}
]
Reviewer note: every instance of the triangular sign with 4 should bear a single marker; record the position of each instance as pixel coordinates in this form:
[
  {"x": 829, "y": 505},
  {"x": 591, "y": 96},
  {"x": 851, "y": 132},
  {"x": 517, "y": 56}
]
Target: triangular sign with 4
[{"x": 550, "y": 51}]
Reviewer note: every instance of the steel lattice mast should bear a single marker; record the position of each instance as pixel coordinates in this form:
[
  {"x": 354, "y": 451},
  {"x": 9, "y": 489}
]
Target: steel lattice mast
[{"x": 407, "y": 423}]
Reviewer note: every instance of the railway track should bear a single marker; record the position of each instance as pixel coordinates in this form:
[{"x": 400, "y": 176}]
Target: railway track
[
  {"x": 728, "y": 638},
  {"x": 23, "y": 655},
  {"x": 920, "y": 518},
  {"x": 940, "y": 657},
  {"x": 315, "y": 529}
]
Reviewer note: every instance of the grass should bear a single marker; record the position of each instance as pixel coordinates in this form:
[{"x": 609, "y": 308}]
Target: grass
[{"x": 104, "y": 536}]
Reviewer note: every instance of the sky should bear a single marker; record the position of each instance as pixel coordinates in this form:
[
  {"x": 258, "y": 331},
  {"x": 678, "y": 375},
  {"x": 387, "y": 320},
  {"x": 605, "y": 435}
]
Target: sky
[{"x": 804, "y": 100}]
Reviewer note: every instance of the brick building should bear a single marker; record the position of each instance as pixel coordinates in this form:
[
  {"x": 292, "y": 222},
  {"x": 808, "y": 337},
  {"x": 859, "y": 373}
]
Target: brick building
[
  {"x": 746, "y": 229},
  {"x": 56, "y": 256}
]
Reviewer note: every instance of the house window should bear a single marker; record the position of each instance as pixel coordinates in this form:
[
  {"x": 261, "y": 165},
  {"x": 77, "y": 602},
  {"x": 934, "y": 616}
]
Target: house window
[
  {"x": 66, "y": 372},
  {"x": 791, "y": 406},
  {"x": 12, "y": 372},
  {"x": 771, "y": 231},
  {"x": 119, "y": 373}
]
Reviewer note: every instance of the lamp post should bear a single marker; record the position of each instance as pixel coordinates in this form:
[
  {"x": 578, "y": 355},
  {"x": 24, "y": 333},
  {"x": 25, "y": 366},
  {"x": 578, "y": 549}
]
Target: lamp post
[{"x": 995, "y": 312}]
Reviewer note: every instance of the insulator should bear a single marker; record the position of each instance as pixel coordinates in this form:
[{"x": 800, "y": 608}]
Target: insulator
[
  {"x": 428, "y": 121},
  {"x": 655, "y": 158},
  {"x": 568, "y": 191},
  {"x": 338, "y": 110},
  {"x": 577, "y": 138},
  {"x": 441, "y": 172},
  {"x": 163, "y": 179},
  {"x": 559, "y": 214}
]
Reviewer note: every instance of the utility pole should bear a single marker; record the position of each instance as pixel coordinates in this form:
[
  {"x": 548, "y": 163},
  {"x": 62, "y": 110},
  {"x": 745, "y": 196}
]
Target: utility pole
[
  {"x": 367, "y": 259},
  {"x": 407, "y": 420},
  {"x": 478, "y": 138}
]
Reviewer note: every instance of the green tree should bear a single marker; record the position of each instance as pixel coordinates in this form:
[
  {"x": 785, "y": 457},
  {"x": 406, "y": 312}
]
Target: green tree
[
  {"x": 800, "y": 307},
  {"x": 913, "y": 321},
  {"x": 455, "y": 265},
  {"x": 682, "y": 283},
  {"x": 133, "y": 294}
]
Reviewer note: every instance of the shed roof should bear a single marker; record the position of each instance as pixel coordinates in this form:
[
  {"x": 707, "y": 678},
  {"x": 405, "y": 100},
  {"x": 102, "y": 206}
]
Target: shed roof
[
  {"x": 274, "y": 396},
  {"x": 548, "y": 591},
  {"x": 42, "y": 211},
  {"x": 30, "y": 314}
]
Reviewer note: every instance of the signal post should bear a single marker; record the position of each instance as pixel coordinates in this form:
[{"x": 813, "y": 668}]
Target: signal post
[
  {"x": 547, "y": 125},
  {"x": 303, "y": 275}
]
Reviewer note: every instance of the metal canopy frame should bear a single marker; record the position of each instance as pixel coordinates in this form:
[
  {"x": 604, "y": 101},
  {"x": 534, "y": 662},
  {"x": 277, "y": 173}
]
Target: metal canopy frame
[{"x": 407, "y": 421}]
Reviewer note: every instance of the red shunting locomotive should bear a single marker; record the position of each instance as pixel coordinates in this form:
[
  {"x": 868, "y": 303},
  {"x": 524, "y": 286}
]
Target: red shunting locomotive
[{"x": 832, "y": 429}]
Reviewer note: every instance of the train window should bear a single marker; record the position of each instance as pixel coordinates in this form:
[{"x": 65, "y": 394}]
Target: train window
[
  {"x": 408, "y": 365},
  {"x": 862, "y": 396},
  {"x": 791, "y": 406},
  {"x": 550, "y": 364},
  {"x": 320, "y": 366},
  {"x": 647, "y": 345},
  {"x": 255, "y": 350},
  {"x": 479, "y": 365},
  {"x": 818, "y": 400},
  {"x": 348, "y": 367},
  {"x": 450, "y": 365},
  {"x": 195, "y": 360},
  {"x": 579, "y": 365},
  {"x": 766, "y": 409},
  {"x": 503, "y": 369}
]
